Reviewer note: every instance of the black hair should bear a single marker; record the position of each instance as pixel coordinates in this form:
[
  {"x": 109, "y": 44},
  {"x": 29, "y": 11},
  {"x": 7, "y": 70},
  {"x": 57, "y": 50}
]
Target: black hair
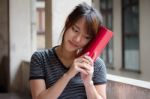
[{"x": 92, "y": 16}]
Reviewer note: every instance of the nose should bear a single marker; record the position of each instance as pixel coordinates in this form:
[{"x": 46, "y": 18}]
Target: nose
[{"x": 77, "y": 38}]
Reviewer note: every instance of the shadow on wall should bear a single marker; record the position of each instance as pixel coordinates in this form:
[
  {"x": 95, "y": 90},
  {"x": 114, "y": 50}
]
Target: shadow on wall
[
  {"x": 4, "y": 74},
  {"x": 21, "y": 82}
]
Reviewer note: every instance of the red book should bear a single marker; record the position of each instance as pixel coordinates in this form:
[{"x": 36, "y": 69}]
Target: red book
[{"x": 97, "y": 45}]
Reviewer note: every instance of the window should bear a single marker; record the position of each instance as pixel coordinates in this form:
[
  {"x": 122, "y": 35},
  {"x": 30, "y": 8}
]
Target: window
[
  {"x": 106, "y": 10},
  {"x": 130, "y": 37},
  {"x": 40, "y": 20}
]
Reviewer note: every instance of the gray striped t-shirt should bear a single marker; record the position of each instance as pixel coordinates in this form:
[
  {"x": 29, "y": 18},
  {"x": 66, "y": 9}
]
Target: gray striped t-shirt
[{"x": 46, "y": 65}]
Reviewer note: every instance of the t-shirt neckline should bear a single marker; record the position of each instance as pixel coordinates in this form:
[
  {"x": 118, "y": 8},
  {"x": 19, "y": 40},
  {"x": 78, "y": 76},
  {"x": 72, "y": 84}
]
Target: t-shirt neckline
[{"x": 53, "y": 49}]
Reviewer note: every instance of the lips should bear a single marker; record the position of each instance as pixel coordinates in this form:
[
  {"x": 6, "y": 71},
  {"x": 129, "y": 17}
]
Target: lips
[{"x": 74, "y": 45}]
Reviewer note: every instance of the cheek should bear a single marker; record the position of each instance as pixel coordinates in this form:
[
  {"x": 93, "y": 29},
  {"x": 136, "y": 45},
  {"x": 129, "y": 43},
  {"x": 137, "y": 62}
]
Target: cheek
[
  {"x": 66, "y": 35},
  {"x": 85, "y": 42}
]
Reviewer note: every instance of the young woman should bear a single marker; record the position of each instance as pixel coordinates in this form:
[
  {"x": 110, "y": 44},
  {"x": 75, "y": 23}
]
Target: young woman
[{"x": 61, "y": 72}]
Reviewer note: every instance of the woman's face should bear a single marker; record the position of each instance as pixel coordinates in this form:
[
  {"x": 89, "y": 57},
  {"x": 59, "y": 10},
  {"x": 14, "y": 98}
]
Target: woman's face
[{"x": 76, "y": 36}]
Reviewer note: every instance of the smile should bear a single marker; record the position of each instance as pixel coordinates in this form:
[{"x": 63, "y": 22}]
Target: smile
[{"x": 73, "y": 44}]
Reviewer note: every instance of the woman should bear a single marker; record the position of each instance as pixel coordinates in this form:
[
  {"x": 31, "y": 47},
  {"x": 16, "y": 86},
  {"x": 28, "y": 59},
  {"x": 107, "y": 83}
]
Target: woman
[{"x": 61, "y": 72}]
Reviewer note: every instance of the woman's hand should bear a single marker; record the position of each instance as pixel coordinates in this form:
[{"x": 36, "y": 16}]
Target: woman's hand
[
  {"x": 88, "y": 63},
  {"x": 84, "y": 65},
  {"x": 76, "y": 67}
]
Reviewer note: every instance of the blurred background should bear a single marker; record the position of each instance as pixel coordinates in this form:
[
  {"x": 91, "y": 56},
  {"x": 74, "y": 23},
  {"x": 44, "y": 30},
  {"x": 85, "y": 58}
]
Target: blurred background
[{"x": 30, "y": 25}]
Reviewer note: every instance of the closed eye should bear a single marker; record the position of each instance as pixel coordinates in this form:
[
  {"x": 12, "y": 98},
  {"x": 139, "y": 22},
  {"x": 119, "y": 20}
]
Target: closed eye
[
  {"x": 88, "y": 37},
  {"x": 74, "y": 29}
]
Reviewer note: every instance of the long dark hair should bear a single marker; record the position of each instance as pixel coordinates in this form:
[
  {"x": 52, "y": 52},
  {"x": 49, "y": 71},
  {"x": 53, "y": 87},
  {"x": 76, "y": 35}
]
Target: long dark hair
[{"x": 92, "y": 16}]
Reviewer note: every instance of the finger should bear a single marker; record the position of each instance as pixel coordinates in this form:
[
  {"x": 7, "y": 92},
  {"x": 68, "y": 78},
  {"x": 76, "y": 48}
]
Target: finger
[
  {"x": 88, "y": 60},
  {"x": 84, "y": 66},
  {"x": 87, "y": 72},
  {"x": 85, "y": 60},
  {"x": 82, "y": 71},
  {"x": 79, "y": 60}
]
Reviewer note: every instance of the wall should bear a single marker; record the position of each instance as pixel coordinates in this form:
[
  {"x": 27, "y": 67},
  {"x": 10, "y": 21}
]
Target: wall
[
  {"x": 96, "y": 4},
  {"x": 20, "y": 37},
  {"x": 117, "y": 38},
  {"x": 4, "y": 45},
  {"x": 145, "y": 38}
]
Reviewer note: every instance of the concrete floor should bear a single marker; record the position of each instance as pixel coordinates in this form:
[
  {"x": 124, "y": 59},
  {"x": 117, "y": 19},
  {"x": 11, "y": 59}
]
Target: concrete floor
[{"x": 13, "y": 96}]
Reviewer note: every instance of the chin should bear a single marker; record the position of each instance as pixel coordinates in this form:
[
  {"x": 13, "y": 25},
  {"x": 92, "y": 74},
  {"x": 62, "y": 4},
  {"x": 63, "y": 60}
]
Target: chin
[{"x": 71, "y": 48}]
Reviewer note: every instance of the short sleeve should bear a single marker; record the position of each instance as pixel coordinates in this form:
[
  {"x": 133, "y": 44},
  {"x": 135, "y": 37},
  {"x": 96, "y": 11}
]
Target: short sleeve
[
  {"x": 36, "y": 66},
  {"x": 99, "y": 76}
]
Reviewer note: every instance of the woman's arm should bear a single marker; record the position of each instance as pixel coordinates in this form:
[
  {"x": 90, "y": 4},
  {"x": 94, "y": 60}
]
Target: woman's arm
[
  {"x": 95, "y": 91},
  {"x": 39, "y": 91},
  {"x": 92, "y": 91}
]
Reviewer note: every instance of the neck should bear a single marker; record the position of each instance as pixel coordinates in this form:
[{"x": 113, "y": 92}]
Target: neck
[{"x": 62, "y": 52}]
